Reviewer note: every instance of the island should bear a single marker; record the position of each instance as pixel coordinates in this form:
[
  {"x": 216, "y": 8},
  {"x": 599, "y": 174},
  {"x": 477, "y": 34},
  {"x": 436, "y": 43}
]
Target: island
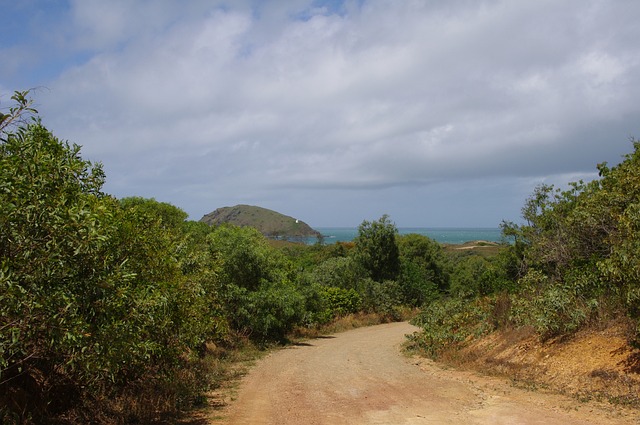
[{"x": 270, "y": 223}]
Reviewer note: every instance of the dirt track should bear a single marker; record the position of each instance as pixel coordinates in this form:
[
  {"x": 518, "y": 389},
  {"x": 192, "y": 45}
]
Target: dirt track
[{"x": 360, "y": 377}]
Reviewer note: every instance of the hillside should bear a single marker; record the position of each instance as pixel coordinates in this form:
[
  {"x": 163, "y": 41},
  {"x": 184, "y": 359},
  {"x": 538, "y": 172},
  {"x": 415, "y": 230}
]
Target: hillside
[{"x": 269, "y": 223}]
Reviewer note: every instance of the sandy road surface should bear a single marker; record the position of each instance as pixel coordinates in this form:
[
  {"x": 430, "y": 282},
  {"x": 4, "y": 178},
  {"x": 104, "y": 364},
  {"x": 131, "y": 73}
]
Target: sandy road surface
[{"x": 360, "y": 377}]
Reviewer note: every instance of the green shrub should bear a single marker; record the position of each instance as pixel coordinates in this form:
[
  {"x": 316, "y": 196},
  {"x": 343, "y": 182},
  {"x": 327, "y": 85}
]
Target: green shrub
[
  {"x": 381, "y": 297},
  {"x": 450, "y": 321},
  {"x": 256, "y": 286},
  {"x": 376, "y": 249},
  {"x": 340, "y": 272},
  {"x": 417, "y": 285},
  {"x": 339, "y": 301},
  {"x": 272, "y": 312},
  {"x": 95, "y": 296},
  {"x": 425, "y": 259}
]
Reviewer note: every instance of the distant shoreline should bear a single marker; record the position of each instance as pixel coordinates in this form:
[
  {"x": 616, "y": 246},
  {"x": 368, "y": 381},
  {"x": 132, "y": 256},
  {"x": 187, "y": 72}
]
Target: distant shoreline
[{"x": 445, "y": 235}]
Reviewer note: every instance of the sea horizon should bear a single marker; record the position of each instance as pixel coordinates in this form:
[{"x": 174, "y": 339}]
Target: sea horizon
[{"x": 446, "y": 235}]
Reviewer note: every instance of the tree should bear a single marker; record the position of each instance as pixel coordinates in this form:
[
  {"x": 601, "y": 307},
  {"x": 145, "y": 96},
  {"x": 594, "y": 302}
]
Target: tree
[
  {"x": 376, "y": 249},
  {"x": 170, "y": 215},
  {"x": 256, "y": 283},
  {"x": 17, "y": 113},
  {"x": 54, "y": 225},
  {"x": 246, "y": 260},
  {"x": 427, "y": 255},
  {"x": 94, "y": 296},
  {"x": 342, "y": 272}
]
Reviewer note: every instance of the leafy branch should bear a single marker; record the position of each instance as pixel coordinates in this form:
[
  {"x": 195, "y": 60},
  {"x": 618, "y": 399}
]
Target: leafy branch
[{"x": 17, "y": 114}]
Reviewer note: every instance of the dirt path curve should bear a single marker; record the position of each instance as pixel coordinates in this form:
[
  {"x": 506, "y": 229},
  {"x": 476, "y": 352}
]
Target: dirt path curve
[{"x": 360, "y": 377}]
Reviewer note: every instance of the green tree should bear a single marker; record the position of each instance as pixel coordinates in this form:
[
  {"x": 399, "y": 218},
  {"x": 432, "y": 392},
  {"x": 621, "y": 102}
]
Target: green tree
[
  {"x": 341, "y": 272},
  {"x": 423, "y": 269},
  {"x": 245, "y": 257},
  {"x": 54, "y": 228},
  {"x": 256, "y": 284},
  {"x": 170, "y": 215},
  {"x": 617, "y": 215},
  {"x": 471, "y": 277},
  {"x": 377, "y": 250},
  {"x": 17, "y": 114},
  {"x": 94, "y": 296}
]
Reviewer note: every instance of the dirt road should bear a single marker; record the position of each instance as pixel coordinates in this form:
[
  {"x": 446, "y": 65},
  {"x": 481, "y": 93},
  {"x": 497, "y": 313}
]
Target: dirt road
[{"x": 360, "y": 377}]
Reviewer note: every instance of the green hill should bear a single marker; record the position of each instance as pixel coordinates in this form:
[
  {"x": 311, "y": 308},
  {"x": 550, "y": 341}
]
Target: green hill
[{"x": 270, "y": 223}]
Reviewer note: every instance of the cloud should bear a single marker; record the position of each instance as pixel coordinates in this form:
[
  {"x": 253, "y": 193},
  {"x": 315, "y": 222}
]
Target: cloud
[{"x": 211, "y": 103}]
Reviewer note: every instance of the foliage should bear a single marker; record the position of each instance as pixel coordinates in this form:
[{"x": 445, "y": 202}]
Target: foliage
[
  {"x": 450, "y": 321},
  {"x": 470, "y": 278},
  {"x": 423, "y": 272},
  {"x": 585, "y": 239},
  {"x": 573, "y": 261},
  {"x": 417, "y": 286},
  {"x": 245, "y": 257},
  {"x": 377, "y": 250},
  {"x": 473, "y": 275},
  {"x": 171, "y": 217},
  {"x": 333, "y": 302},
  {"x": 95, "y": 295},
  {"x": 619, "y": 196},
  {"x": 428, "y": 255},
  {"x": 381, "y": 297},
  {"x": 341, "y": 272},
  {"x": 53, "y": 232},
  {"x": 257, "y": 282},
  {"x": 551, "y": 309},
  {"x": 272, "y": 311},
  {"x": 16, "y": 115}
]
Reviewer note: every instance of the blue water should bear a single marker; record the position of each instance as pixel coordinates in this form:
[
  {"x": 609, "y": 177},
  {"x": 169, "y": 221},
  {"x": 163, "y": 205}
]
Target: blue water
[{"x": 452, "y": 235}]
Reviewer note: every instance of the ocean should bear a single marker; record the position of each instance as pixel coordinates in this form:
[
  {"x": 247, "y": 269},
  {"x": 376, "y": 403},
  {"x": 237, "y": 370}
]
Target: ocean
[{"x": 450, "y": 235}]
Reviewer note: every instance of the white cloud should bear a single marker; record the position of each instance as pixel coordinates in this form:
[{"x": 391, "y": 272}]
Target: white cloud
[{"x": 269, "y": 100}]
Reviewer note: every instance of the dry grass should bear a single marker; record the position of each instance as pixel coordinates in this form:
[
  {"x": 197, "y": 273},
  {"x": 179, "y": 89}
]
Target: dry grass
[
  {"x": 176, "y": 398},
  {"x": 594, "y": 364},
  {"x": 482, "y": 248}
]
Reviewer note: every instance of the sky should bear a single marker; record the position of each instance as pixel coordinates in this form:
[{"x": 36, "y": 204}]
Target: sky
[{"x": 439, "y": 113}]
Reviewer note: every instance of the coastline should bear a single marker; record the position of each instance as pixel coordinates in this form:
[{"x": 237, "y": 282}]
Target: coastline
[{"x": 444, "y": 235}]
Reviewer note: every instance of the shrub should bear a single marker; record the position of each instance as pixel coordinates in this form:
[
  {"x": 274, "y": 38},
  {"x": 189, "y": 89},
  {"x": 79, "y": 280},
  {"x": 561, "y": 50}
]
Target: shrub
[
  {"x": 96, "y": 297},
  {"x": 338, "y": 302},
  {"x": 340, "y": 272},
  {"x": 450, "y": 321},
  {"x": 381, "y": 297},
  {"x": 272, "y": 311},
  {"x": 376, "y": 249}
]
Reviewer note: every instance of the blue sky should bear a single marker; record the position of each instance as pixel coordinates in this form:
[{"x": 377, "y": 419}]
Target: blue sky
[{"x": 438, "y": 113}]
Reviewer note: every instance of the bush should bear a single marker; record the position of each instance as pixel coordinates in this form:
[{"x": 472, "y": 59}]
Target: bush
[
  {"x": 272, "y": 312},
  {"x": 450, "y": 321},
  {"x": 96, "y": 297},
  {"x": 376, "y": 249},
  {"x": 381, "y": 297},
  {"x": 417, "y": 286},
  {"x": 337, "y": 302},
  {"x": 339, "y": 272},
  {"x": 256, "y": 284}
]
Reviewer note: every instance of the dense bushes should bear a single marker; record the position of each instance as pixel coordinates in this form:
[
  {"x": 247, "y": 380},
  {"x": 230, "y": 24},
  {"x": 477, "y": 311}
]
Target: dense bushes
[
  {"x": 103, "y": 298},
  {"x": 573, "y": 262},
  {"x": 92, "y": 293},
  {"x": 257, "y": 284}
]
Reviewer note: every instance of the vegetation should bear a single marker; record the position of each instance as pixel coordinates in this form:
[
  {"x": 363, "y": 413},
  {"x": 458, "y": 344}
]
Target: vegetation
[
  {"x": 574, "y": 262},
  {"x": 270, "y": 223},
  {"x": 104, "y": 298}
]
